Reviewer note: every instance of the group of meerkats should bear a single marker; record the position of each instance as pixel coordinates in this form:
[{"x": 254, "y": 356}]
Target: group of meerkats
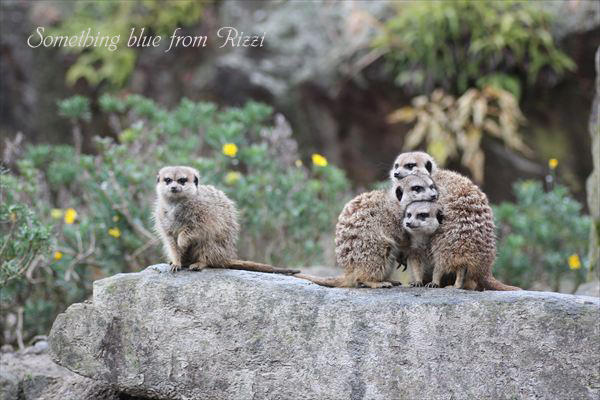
[{"x": 434, "y": 221}]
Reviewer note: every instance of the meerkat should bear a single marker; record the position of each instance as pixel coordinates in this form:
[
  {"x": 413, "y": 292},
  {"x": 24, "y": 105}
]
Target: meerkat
[
  {"x": 465, "y": 244},
  {"x": 198, "y": 224},
  {"x": 369, "y": 237},
  {"x": 421, "y": 221}
]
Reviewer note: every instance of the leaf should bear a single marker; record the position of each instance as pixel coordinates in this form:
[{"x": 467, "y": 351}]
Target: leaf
[{"x": 404, "y": 114}]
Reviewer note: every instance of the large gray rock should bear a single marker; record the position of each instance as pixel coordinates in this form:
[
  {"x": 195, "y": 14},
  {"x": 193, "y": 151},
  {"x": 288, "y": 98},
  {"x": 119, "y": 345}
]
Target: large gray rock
[{"x": 221, "y": 334}]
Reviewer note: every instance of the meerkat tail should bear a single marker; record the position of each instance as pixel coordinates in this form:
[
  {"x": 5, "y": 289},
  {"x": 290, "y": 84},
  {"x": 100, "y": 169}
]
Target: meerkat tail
[
  {"x": 339, "y": 281},
  {"x": 258, "y": 267},
  {"x": 491, "y": 283}
]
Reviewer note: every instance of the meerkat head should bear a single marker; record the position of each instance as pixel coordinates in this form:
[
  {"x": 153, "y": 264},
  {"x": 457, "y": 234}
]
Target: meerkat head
[
  {"x": 175, "y": 183},
  {"x": 415, "y": 162},
  {"x": 422, "y": 217},
  {"x": 416, "y": 187}
]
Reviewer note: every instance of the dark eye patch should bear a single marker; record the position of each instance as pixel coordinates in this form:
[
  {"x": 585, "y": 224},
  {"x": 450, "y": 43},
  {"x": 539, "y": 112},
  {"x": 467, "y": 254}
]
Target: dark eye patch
[
  {"x": 409, "y": 215},
  {"x": 182, "y": 181},
  {"x": 423, "y": 216},
  {"x": 428, "y": 166},
  {"x": 168, "y": 180},
  {"x": 396, "y": 166},
  {"x": 417, "y": 189},
  {"x": 410, "y": 166}
]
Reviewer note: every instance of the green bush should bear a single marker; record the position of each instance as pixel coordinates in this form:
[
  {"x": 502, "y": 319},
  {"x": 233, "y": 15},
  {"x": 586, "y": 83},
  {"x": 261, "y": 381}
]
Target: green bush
[
  {"x": 541, "y": 237},
  {"x": 100, "y": 205},
  {"x": 458, "y": 44}
]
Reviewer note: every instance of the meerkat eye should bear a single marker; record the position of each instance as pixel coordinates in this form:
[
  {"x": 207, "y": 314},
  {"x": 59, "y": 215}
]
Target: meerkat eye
[
  {"x": 409, "y": 215},
  {"x": 182, "y": 181},
  {"x": 410, "y": 166},
  {"x": 168, "y": 180},
  {"x": 417, "y": 189},
  {"x": 396, "y": 166},
  {"x": 423, "y": 216}
]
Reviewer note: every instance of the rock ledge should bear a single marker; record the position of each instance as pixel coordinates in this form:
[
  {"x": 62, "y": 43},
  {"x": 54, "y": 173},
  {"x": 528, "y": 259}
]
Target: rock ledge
[{"x": 223, "y": 334}]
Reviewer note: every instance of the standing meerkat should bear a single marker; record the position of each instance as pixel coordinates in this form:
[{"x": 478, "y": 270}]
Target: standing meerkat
[
  {"x": 198, "y": 224},
  {"x": 369, "y": 237},
  {"x": 465, "y": 244},
  {"x": 421, "y": 221}
]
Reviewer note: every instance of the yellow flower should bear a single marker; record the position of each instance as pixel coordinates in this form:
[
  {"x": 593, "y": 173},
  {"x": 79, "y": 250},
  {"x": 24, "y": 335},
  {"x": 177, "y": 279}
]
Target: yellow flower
[
  {"x": 70, "y": 216},
  {"x": 574, "y": 262},
  {"x": 115, "y": 218},
  {"x": 553, "y": 163},
  {"x": 232, "y": 177},
  {"x": 298, "y": 163},
  {"x": 319, "y": 160},
  {"x": 114, "y": 232},
  {"x": 56, "y": 213},
  {"x": 57, "y": 255},
  {"x": 230, "y": 149},
  {"x": 13, "y": 217}
]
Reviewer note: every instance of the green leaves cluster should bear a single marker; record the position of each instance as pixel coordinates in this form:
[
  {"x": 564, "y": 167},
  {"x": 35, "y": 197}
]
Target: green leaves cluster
[
  {"x": 113, "y": 18},
  {"x": 539, "y": 234},
  {"x": 288, "y": 207},
  {"x": 457, "y": 44}
]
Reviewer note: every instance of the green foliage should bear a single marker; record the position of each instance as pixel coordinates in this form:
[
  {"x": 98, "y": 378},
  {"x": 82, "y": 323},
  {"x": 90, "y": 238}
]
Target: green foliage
[
  {"x": 23, "y": 236},
  {"x": 457, "y": 44},
  {"x": 542, "y": 237},
  {"x": 76, "y": 107},
  {"x": 117, "y": 18},
  {"x": 100, "y": 205}
]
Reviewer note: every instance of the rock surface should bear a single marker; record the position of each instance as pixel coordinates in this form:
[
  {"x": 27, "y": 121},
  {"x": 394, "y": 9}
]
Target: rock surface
[
  {"x": 35, "y": 377},
  {"x": 221, "y": 334}
]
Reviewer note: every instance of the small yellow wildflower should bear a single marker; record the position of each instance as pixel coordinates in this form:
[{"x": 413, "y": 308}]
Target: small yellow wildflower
[
  {"x": 574, "y": 262},
  {"x": 319, "y": 160},
  {"x": 70, "y": 216},
  {"x": 230, "y": 149},
  {"x": 56, "y": 213},
  {"x": 232, "y": 177},
  {"x": 13, "y": 217},
  {"x": 114, "y": 232},
  {"x": 115, "y": 218},
  {"x": 298, "y": 163},
  {"x": 553, "y": 163},
  {"x": 58, "y": 255}
]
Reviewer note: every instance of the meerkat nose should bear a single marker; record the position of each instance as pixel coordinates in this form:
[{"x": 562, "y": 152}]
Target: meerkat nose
[
  {"x": 434, "y": 197},
  {"x": 173, "y": 189},
  {"x": 408, "y": 224},
  {"x": 397, "y": 175}
]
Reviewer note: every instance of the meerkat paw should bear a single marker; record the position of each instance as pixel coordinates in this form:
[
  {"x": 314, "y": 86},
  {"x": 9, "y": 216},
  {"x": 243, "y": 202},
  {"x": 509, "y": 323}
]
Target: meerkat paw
[
  {"x": 175, "y": 267},
  {"x": 416, "y": 284},
  {"x": 432, "y": 285},
  {"x": 396, "y": 283},
  {"x": 198, "y": 266}
]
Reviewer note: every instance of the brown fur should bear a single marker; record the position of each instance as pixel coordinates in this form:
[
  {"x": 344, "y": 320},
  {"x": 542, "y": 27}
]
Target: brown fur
[
  {"x": 465, "y": 243},
  {"x": 369, "y": 236},
  {"x": 198, "y": 224}
]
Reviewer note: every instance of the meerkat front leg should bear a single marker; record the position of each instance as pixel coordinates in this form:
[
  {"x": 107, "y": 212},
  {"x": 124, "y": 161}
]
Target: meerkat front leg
[
  {"x": 460, "y": 278},
  {"x": 173, "y": 254},
  {"x": 417, "y": 271},
  {"x": 437, "y": 278}
]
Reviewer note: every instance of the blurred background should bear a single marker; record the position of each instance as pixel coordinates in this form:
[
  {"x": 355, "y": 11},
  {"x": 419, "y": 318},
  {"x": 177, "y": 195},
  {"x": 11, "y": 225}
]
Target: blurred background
[{"x": 501, "y": 91}]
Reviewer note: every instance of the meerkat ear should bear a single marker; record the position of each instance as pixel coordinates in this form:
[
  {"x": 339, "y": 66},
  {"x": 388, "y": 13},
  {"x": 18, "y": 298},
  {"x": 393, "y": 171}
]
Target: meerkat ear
[
  {"x": 428, "y": 166},
  {"x": 196, "y": 180},
  {"x": 399, "y": 193},
  {"x": 157, "y": 178},
  {"x": 439, "y": 216}
]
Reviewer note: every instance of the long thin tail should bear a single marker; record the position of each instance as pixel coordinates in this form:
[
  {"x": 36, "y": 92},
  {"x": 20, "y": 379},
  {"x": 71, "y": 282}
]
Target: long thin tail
[
  {"x": 258, "y": 267},
  {"x": 491, "y": 283},
  {"x": 339, "y": 281}
]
